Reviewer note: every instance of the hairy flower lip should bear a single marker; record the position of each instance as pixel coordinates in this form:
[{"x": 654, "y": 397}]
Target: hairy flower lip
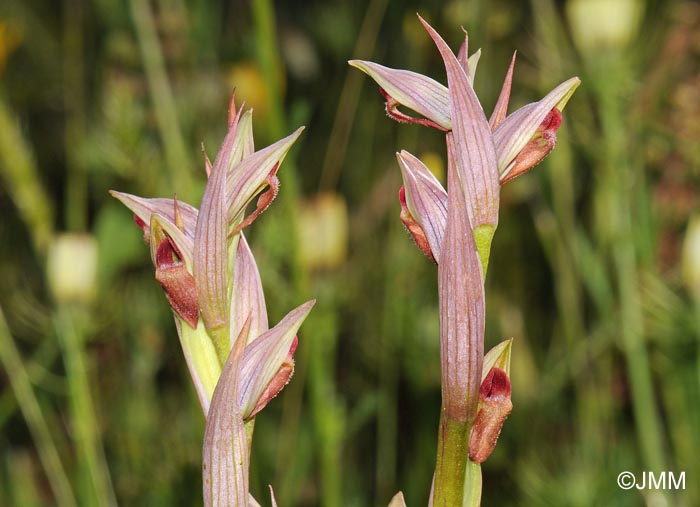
[
  {"x": 166, "y": 242},
  {"x": 495, "y": 406},
  {"x": 414, "y": 228},
  {"x": 542, "y": 143},
  {"x": 179, "y": 285}
]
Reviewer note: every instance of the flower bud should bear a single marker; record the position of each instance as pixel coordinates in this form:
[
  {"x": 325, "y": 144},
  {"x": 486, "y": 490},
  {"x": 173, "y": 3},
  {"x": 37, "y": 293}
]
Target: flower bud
[
  {"x": 323, "y": 230},
  {"x": 494, "y": 395},
  {"x": 691, "y": 257},
  {"x": 72, "y": 268}
]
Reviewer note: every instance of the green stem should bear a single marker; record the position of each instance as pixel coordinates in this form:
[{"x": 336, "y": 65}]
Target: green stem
[
  {"x": 350, "y": 96},
  {"x": 29, "y": 405},
  {"x": 637, "y": 358},
  {"x": 73, "y": 96},
  {"x": 472, "y": 485},
  {"x": 268, "y": 57},
  {"x": 622, "y": 179},
  {"x": 97, "y": 486},
  {"x": 483, "y": 237},
  {"x": 311, "y": 361},
  {"x": 222, "y": 344},
  {"x": 451, "y": 464}
]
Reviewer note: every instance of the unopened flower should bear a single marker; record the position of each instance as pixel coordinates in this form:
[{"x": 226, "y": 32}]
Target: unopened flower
[{"x": 495, "y": 406}]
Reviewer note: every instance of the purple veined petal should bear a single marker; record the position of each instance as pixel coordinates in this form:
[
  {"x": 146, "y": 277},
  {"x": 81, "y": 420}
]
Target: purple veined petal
[
  {"x": 426, "y": 200},
  {"x": 143, "y": 208},
  {"x": 517, "y": 129},
  {"x": 501, "y": 109},
  {"x": 474, "y": 153},
  {"x": 245, "y": 132},
  {"x": 468, "y": 63},
  {"x": 461, "y": 306},
  {"x": 415, "y": 91},
  {"x": 211, "y": 251},
  {"x": 250, "y": 176},
  {"x": 225, "y": 457},
  {"x": 264, "y": 356},
  {"x": 463, "y": 55},
  {"x": 237, "y": 139},
  {"x": 242, "y": 144},
  {"x": 252, "y": 502},
  {"x": 248, "y": 301}
]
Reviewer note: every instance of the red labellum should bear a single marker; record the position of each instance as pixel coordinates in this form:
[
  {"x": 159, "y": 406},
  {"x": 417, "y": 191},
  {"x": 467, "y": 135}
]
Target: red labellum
[
  {"x": 264, "y": 201},
  {"x": 179, "y": 285},
  {"x": 541, "y": 144},
  {"x": 281, "y": 379},
  {"x": 414, "y": 227},
  {"x": 144, "y": 227},
  {"x": 494, "y": 395},
  {"x": 392, "y": 109}
]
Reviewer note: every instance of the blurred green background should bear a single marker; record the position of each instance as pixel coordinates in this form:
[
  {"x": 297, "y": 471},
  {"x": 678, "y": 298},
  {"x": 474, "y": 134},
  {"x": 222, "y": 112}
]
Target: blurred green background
[{"x": 595, "y": 268}]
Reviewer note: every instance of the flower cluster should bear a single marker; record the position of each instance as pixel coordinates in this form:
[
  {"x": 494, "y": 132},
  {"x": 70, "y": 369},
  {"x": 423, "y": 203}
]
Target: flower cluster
[
  {"x": 454, "y": 228},
  {"x": 210, "y": 278}
]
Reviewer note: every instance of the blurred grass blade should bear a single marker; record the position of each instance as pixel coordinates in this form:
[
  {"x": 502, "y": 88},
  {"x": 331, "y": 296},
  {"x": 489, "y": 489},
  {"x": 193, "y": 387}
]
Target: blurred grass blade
[
  {"x": 19, "y": 381},
  {"x": 97, "y": 485},
  {"x": 18, "y": 169},
  {"x": 162, "y": 95}
]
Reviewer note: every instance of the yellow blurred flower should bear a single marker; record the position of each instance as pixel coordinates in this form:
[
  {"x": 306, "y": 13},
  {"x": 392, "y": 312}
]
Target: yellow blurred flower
[
  {"x": 691, "y": 257},
  {"x": 603, "y": 24},
  {"x": 323, "y": 231},
  {"x": 10, "y": 38},
  {"x": 250, "y": 85},
  {"x": 435, "y": 163},
  {"x": 72, "y": 268}
]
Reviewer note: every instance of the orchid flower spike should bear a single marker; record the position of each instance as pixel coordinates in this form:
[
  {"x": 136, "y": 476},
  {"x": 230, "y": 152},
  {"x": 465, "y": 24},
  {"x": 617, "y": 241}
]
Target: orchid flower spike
[
  {"x": 486, "y": 153},
  {"x": 212, "y": 283},
  {"x": 454, "y": 228}
]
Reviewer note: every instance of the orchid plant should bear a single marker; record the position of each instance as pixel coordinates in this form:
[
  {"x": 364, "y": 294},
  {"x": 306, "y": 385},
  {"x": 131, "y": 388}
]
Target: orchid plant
[
  {"x": 455, "y": 228},
  {"x": 212, "y": 283}
]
